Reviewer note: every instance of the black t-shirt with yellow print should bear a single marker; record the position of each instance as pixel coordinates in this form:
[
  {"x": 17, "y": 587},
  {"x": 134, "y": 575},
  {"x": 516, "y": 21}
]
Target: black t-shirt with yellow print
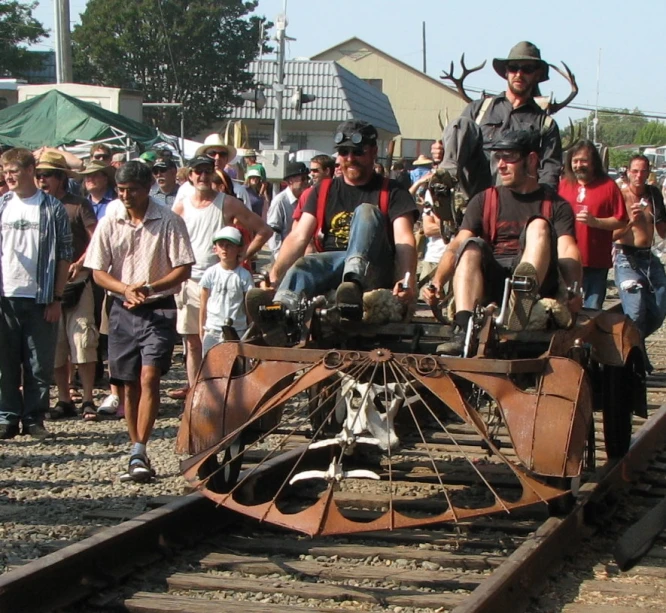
[{"x": 343, "y": 200}]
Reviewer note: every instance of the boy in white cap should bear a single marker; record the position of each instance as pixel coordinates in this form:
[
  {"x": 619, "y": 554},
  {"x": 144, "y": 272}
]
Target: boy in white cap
[{"x": 223, "y": 289}]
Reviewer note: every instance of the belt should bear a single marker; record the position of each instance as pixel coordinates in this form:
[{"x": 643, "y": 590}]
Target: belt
[{"x": 631, "y": 250}]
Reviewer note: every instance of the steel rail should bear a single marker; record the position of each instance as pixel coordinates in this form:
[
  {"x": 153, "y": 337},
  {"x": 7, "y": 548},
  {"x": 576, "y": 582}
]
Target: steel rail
[
  {"x": 78, "y": 570},
  {"x": 520, "y": 578}
]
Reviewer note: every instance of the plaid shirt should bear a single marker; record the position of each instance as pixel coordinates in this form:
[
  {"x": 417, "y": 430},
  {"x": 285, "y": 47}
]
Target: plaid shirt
[{"x": 55, "y": 243}]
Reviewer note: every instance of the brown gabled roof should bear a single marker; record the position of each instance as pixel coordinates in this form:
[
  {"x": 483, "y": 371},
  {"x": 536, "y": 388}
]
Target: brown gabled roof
[{"x": 389, "y": 57}]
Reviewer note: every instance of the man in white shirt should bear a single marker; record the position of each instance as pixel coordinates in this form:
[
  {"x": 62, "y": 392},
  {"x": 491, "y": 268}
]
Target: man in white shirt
[{"x": 35, "y": 254}]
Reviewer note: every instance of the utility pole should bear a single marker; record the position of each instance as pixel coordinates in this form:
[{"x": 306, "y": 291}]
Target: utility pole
[
  {"x": 63, "y": 43},
  {"x": 595, "y": 121},
  {"x": 278, "y": 87}
]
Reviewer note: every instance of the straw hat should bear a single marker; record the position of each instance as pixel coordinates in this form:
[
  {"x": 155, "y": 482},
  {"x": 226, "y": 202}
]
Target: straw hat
[
  {"x": 94, "y": 166},
  {"x": 214, "y": 141},
  {"x": 422, "y": 160},
  {"x": 50, "y": 160}
]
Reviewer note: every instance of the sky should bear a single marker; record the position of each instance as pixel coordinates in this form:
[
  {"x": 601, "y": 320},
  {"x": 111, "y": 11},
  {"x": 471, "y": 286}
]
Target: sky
[{"x": 621, "y": 43}]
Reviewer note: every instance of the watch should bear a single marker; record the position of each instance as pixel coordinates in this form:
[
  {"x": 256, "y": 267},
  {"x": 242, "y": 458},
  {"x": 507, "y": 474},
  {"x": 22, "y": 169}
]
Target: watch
[{"x": 150, "y": 289}]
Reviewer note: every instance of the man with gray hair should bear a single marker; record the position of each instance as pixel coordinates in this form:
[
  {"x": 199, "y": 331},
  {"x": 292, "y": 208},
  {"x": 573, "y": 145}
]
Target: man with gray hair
[{"x": 466, "y": 152}]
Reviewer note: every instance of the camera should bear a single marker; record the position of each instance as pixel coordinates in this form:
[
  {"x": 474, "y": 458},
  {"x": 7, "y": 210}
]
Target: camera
[{"x": 644, "y": 203}]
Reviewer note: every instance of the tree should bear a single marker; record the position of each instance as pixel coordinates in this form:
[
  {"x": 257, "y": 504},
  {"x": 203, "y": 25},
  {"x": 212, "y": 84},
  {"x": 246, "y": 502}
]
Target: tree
[
  {"x": 652, "y": 133},
  {"x": 614, "y": 127},
  {"x": 17, "y": 28},
  {"x": 190, "y": 51}
]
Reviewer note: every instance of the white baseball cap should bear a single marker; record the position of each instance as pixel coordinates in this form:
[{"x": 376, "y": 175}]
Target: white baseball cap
[{"x": 228, "y": 233}]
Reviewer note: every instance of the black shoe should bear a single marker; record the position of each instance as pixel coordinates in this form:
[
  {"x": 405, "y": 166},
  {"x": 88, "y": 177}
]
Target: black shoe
[
  {"x": 524, "y": 296},
  {"x": 349, "y": 300},
  {"x": 454, "y": 345},
  {"x": 267, "y": 315},
  {"x": 35, "y": 430},
  {"x": 8, "y": 431}
]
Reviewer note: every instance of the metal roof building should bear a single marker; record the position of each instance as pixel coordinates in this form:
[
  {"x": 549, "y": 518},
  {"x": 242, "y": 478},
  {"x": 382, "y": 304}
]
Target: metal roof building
[{"x": 340, "y": 95}]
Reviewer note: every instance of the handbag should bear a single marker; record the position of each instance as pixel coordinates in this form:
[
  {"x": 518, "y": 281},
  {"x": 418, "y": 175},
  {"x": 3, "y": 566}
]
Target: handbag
[{"x": 73, "y": 292}]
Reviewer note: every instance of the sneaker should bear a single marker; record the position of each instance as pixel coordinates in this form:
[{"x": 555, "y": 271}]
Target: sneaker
[
  {"x": 8, "y": 431},
  {"x": 139, "y": 469},
  {"x": 349, "y": 300},
  {"x": 109, "y": 405},
  {"x": 35, "y": 430},
  {"x": 455, "y": 345},
  {"x": 522, "y": 300}
]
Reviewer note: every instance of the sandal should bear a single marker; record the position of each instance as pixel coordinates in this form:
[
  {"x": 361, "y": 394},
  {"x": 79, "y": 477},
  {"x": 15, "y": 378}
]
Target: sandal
[
  {"x": 62, "y": 409},
  {"x": 139, "y": 469},
  {"x": 89, "y": 411}
]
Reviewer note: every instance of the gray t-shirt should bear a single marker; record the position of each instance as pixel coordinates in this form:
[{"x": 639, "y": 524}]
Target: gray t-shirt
[{"x": 226, "y": 299}]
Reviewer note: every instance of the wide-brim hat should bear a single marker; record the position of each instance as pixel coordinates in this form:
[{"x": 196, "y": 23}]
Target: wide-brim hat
[
  {"x": 249, "y": 153},
  {"x": 50, "y": 160},
  {"x": 523, "y": 51},
  {"x": 422, "y": 160},
  {"x": 214, "y": 141},
  {"x": 94, "y": 166}
]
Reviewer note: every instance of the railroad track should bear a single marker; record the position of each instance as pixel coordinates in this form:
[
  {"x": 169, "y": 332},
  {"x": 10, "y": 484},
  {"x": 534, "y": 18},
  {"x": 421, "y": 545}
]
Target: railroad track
[{"x": 486, "y": 564}]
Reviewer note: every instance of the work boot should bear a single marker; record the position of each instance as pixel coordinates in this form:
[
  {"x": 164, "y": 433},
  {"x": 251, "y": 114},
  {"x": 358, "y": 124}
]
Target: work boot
[
  {"x": 267, "y": 315},
  {"x": 349, "y": 300},
  {"x": 455, "y": 345},
  {"x": 8, "y": 431},
  {"x": 524, "y": 294}
]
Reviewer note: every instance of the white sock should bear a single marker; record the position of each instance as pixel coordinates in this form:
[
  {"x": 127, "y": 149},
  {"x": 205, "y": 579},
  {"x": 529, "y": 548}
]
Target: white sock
[{"x": 138, "y": 449}]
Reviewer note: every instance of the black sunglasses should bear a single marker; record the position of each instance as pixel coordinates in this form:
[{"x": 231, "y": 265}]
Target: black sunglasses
[
  {"x": 158, "y": 169},
  {"x": 345, "y": 151},
  {"x": 101, "y": 156},
  {"x": 524, "y": 68},
  {"x": 46, "y": 175}
]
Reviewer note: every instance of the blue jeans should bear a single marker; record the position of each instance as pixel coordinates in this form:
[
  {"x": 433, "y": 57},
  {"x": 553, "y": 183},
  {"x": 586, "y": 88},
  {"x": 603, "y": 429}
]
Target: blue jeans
[
  {"x": 641, "y": 282},
  {"x": 26, "y": 358},
  {"x": 369, "y": 260},
  {"x": 594, "y": 287}
]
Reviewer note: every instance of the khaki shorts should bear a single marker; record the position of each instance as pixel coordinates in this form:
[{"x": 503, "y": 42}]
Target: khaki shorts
[
  {"x": 188, "y": 303},
  {"x": 77, "y": 334}
]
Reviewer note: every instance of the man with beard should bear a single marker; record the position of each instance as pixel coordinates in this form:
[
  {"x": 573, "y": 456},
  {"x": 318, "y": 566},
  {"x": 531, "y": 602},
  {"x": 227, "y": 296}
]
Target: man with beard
[
  {"x": 362, "y": 222},
  {"x": 140, "y": 253},
  {"x": 599, "y": 208},
  {"x": 468, "y": 141},
  {"x": 520, "y": 229},
  {"x": 639, "y": 275}
]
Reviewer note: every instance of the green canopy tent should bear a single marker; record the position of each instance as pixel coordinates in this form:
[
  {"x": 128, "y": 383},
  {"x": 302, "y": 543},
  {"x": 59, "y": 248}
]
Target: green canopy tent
[{"x": 55, "y": 119}]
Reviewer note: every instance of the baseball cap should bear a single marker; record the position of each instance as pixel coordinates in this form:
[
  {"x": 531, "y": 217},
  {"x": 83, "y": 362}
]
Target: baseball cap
[
  {"x": 165, "y": 163},
  {"x": 355, "y": 132},
  {"x": 253, "y": 172},
  {"x": 200, "y": 160},
  {"x": 228, "y": 233}
]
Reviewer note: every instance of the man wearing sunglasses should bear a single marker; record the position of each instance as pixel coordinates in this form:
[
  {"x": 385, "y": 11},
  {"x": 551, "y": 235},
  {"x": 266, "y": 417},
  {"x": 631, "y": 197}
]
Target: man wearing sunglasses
[
  {"x": 102, "y": 153},
  {"x": 205, "y": 213},
  {"x": 529, "y": 234},
  {"x": 363, "y": 247},
  {"x": 469, "y": 139},
  {"x": 165, "y": 188}
]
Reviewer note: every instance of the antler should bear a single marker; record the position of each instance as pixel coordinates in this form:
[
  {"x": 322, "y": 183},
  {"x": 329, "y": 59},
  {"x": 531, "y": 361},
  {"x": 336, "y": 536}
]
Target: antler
[
  {"x": 458, "y": 81},
  {"x": 576, "y": 135},
  {"x": 569, "y": 76}
]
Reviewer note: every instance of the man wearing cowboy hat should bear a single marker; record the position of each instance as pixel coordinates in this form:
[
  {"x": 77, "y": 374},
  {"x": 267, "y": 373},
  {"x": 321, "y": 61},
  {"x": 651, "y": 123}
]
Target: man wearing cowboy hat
[
  {"x": 250, "y": 159},
  {"x": 77, "y": 333},
  {"x": 221, "y": 154},
  {"x": 98, "y": 181},
  {"x": 422, "y": 166},
  {"x": 35, "y": 255},
  {"x": 466, "y": 151}
]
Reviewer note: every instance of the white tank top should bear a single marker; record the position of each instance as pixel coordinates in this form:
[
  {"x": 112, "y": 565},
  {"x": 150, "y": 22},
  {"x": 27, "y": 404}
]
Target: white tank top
[{"x": 202, "y": 224}]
